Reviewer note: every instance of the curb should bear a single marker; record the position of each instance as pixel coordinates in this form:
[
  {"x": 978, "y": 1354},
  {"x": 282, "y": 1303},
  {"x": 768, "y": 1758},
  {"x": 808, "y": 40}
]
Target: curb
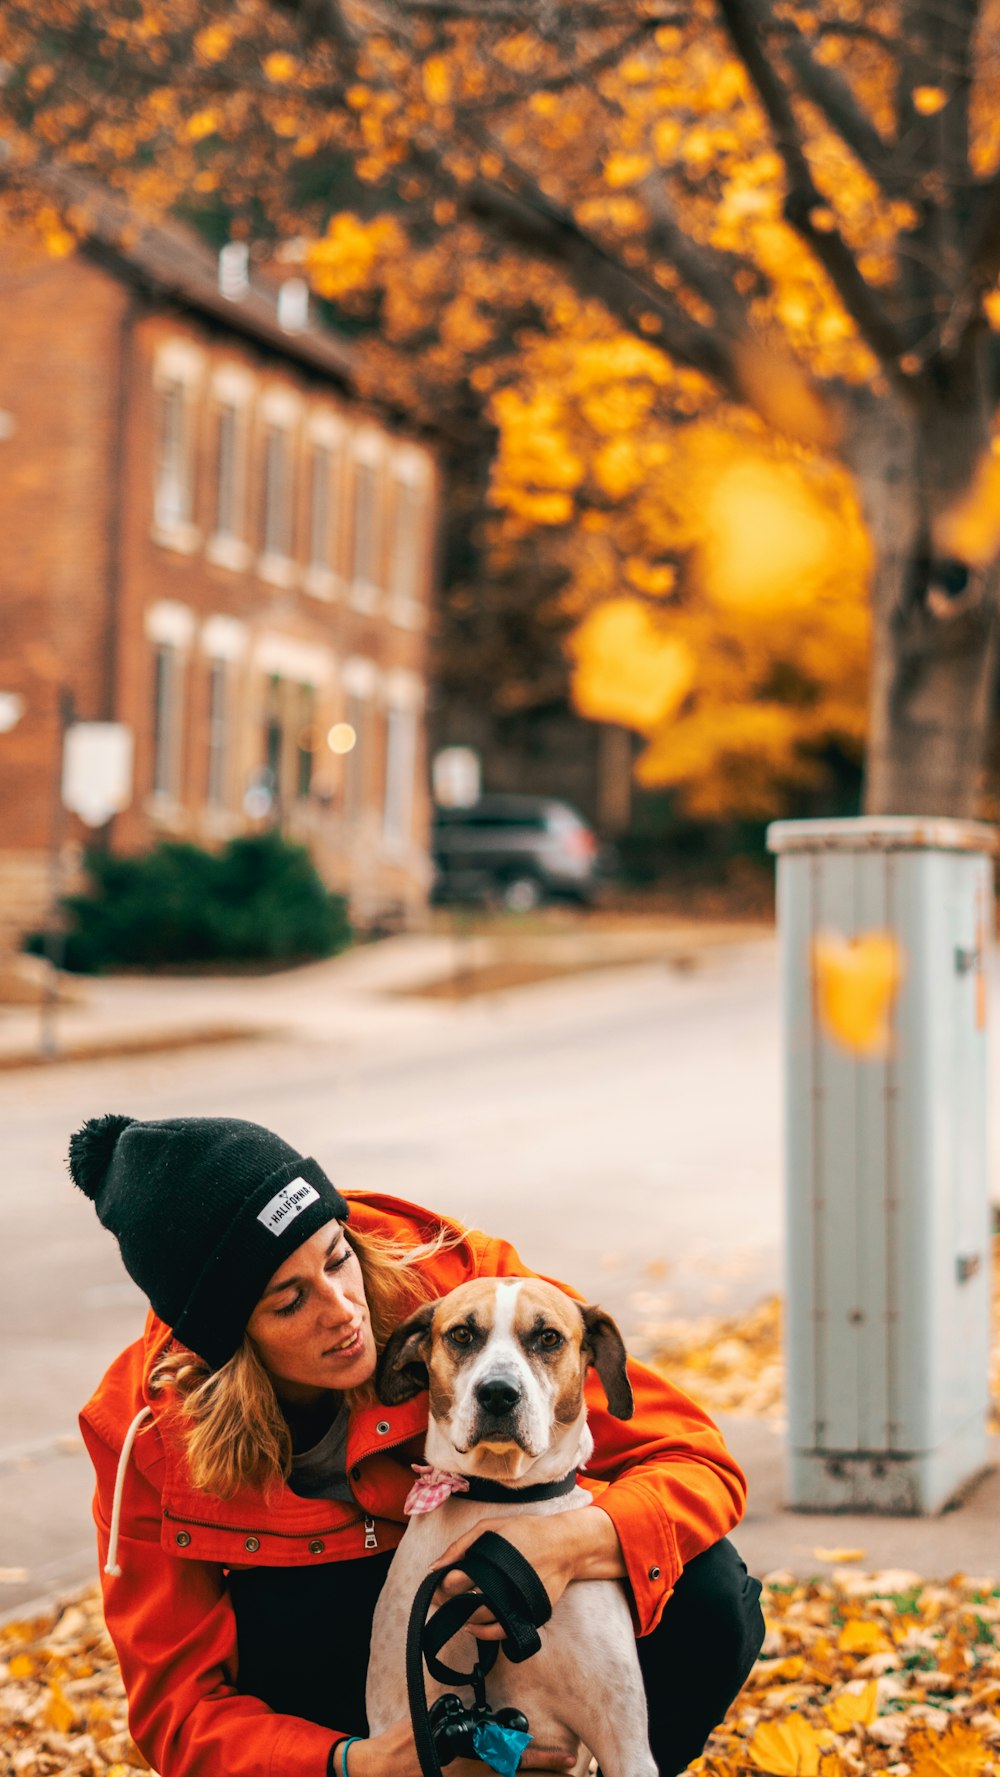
[{"x": 148, "y": 1043}]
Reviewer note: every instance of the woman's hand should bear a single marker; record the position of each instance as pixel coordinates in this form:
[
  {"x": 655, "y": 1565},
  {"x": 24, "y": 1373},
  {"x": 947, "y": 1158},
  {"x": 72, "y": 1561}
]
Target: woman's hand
[
  {"x": 565, "y": 1546},
  {"x": 394, "y": 1754}
]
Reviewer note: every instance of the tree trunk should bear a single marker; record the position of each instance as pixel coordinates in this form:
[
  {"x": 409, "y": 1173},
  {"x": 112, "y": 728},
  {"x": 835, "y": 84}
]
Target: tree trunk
[{"x": 934, "y": 632}]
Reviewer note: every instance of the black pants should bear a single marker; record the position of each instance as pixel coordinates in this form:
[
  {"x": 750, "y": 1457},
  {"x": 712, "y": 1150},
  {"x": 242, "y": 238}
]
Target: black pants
[
  {"x": 699, "y": 1656},
  {"x": 304, "y": 1635}
]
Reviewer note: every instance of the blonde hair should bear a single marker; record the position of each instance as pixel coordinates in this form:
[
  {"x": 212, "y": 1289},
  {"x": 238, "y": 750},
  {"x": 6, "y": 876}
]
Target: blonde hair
[{"x": 230, "y": 1421}]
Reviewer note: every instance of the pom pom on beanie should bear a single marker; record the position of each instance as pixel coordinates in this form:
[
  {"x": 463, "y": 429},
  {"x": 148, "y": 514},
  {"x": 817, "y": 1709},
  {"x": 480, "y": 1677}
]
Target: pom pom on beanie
[{"x": 91, "y": 1150}]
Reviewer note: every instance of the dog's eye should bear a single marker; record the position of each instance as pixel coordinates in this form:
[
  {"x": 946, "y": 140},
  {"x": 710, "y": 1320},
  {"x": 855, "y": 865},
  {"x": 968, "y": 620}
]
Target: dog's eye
[
  {"x": 460, "y": 1335},
  {"x": 549, "y": 1339}
]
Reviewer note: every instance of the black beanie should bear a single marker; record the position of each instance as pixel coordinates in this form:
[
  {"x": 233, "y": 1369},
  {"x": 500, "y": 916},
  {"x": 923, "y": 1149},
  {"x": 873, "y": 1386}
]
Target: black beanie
[{"x": 204, "y": 1210}]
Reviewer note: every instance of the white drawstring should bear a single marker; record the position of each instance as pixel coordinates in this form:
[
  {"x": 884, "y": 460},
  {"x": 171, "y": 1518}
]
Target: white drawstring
[{"x": 111, "y": 1564}]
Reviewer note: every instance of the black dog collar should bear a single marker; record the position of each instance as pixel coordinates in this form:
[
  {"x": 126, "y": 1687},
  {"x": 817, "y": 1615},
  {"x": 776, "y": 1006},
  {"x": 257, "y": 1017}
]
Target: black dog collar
[{"x": 497, "y": 1493}]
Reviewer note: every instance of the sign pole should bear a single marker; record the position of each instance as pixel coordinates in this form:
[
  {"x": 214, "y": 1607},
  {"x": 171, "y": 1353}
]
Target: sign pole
[{"x": 55, "y": 943}]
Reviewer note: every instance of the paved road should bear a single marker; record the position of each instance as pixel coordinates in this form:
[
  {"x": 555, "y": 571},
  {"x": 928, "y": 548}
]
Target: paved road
[{"x": 622, "y": 1129}]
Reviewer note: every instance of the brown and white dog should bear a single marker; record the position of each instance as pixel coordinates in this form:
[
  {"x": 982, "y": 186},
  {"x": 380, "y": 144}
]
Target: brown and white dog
[{"x": 505, "y": 1361}]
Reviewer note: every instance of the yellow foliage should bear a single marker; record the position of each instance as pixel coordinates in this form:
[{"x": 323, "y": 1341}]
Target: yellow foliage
[
  {"x": 626, "y": 169},
  {"x": 768, "y": 540},
  {"x": 960, "y": 1751},
  {"x": 437, "y": 80},
  {"x": 200, "y": 125},
  {"x": 58, "y": 1712},
  {"x": 627, "y": 668},
  {"x": 928, "y": 100},
  {"x": 351, "y": 254},
  {"x": 851, "y": 1707},
  {"x": 213, "y": 42},
  {"x": 970, "y": 529},
  {"x": 787, "y": 1747},
  {"x": 280, "y": 68},
  {"x": 879, "y": 966}
]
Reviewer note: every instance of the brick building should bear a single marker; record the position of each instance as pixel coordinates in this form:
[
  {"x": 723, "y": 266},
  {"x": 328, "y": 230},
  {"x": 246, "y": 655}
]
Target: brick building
[{"x": 208, "y": 537}]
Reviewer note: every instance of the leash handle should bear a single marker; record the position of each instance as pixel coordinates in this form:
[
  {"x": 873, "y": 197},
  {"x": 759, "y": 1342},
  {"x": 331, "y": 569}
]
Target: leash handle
[{"x": 511, "y": 1588}]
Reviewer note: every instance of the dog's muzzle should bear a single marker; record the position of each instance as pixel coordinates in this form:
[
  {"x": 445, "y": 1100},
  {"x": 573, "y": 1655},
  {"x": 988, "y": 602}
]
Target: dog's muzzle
[{"x": 498, "y": 1415}]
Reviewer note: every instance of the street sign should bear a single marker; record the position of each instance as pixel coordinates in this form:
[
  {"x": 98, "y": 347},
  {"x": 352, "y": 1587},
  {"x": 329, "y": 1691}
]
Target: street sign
[
  {"x": 11, "y": 710},
  {"x": 97, "y": 770},
  {"x": 457, "y": 777}
]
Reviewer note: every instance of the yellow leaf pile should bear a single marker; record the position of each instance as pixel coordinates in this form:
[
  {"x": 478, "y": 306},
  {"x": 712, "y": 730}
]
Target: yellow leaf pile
[
  {"x": 869, "y": 1672},
  {"x": 735, "y": 1364},
  {"x": 858, "y": 1673},
  {"x": 62, "y": 1708}
]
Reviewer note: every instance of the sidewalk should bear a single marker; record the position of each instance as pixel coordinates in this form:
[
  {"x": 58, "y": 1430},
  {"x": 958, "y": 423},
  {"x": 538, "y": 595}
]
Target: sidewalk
[
  {"x": 370, "y": 990},
  {"x": 772, "y": 1539}
]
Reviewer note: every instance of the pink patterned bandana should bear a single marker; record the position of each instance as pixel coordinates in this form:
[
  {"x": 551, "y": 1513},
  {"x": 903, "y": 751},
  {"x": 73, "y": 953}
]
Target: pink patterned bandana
[{"x": 431, "y": 1488}]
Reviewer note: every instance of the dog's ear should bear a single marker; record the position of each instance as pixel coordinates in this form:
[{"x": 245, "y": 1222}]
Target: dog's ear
[
  {"x": 402, "y": 1367},
  {"x": 605, "y": 1348}
]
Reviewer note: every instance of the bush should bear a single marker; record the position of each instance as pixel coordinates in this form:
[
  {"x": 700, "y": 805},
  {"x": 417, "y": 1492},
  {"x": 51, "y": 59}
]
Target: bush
[{"x": 258, "y": 900}]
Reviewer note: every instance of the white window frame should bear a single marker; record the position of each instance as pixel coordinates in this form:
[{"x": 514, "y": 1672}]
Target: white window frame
[
  {"x": 367, "y": 456},
  {"x": 169, "y": 627},
  {"x": 400, "y": 777},
  {"x": 231, "y": 391},
  {"x": 280, "y": 412},
  {"x": 412, "y": 487},
  {"x": 223, "y": 643},
  {"x": 178, "y": 371},
  {"x": 218, "y": 751},
  {"x": 359, "y": 684},
  {"x": 326, "y": 432}
]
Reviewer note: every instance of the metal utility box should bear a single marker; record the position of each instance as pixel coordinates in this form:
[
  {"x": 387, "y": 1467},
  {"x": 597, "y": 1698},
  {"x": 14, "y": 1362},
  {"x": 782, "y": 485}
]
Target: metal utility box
[{"x": 888, "y": 1254}]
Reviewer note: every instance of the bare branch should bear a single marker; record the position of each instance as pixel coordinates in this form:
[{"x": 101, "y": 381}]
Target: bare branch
[
  {"x": 805, "y": 208},
  {"x": 832, "y": 95},
  {"x": 530, "y": 219},
  {"x": 705, "y": 269}
]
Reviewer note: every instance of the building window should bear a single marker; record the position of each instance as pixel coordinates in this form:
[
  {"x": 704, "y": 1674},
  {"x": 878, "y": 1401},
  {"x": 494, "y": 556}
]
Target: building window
[
  {"x": 367, "y": 542},
  {"x": 277, "y": 503},
  {"x": 167, "y": 721},
  {"x": 321, "y": 507},
  {"x": 356, "y": 761},
  {"x": 408, "y": 559},
  {"x": 172, "y": 499},
  {"x": 229, "y": 472},
  {"x": 306, "y": 741},
  {"x": 218, "y": 734},
  {"x": 400, "y": 766}
]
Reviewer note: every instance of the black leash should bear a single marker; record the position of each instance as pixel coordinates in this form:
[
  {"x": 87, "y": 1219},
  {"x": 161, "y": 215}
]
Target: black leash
[{"x": 512, "y": 1590}]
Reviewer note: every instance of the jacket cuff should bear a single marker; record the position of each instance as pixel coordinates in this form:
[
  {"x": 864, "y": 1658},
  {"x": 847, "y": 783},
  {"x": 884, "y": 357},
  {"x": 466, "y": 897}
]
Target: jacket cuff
[
  {"x": 301, "y": 1748},
  {"x": 649, "y": 1549},
  {"x": 331, "y": 1769}
]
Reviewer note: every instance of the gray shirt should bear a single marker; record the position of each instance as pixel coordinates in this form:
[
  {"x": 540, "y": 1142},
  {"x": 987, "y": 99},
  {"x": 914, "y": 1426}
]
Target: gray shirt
[{"x": 321, "y": 1473}]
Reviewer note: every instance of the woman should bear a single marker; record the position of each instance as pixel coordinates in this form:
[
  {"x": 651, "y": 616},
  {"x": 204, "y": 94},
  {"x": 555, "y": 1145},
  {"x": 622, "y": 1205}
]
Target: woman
[{"x": 250, "y": 1488}]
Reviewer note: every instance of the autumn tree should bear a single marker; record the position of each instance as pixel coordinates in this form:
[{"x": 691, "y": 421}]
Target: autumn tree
[{"x": 789, "y": 212}]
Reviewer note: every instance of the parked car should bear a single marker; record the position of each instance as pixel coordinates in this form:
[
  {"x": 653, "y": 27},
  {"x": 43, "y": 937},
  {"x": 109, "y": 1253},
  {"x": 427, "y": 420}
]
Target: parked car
[{"x": 515, "y": 850}]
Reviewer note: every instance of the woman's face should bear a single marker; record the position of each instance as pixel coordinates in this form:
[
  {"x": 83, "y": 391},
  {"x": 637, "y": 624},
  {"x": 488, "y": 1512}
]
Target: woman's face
[{"x": 311, "y": 1326}]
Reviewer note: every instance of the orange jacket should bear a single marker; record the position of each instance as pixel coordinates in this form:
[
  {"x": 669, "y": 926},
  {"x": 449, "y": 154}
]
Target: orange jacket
[{"x": 664, "y": 1477}]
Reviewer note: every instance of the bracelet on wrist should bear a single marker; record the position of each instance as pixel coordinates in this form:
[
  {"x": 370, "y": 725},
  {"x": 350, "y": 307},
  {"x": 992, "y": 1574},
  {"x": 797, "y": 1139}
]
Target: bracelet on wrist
[{"x": 345, "y": 1746}]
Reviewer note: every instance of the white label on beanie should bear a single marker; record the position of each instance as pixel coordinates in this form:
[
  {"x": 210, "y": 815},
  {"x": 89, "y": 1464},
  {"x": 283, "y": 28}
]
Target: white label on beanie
[{"x": 291, "y": 1200}]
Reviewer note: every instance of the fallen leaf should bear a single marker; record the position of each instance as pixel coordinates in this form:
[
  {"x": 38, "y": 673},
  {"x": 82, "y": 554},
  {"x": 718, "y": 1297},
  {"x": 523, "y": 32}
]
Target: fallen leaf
[
  {"x": 851, "y": 1707},
  {"x": 786, "y": 1748},
  {"x": 861, "y": 1636},
  {"x": 960, "y": 1751}
]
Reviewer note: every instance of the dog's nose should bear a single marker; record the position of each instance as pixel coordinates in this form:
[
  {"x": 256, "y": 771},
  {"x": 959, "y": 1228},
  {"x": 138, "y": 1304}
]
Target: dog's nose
[{"x": 497, "y": 1398}]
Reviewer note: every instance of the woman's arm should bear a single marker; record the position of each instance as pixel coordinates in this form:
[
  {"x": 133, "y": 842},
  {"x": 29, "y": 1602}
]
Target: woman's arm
[{"x": 174, "y": 1632}]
